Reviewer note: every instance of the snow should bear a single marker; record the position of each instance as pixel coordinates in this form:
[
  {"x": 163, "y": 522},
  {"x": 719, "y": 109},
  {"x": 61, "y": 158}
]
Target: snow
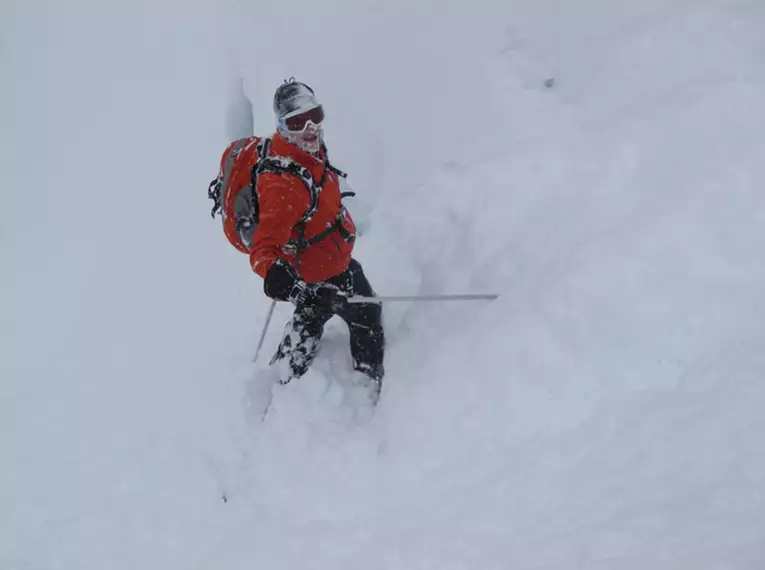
[{"x": 604, "y": 413}]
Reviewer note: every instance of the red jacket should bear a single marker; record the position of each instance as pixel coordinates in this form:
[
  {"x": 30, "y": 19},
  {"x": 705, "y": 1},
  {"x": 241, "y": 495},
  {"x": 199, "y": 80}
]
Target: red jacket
[{"x": 283, "y": 200}]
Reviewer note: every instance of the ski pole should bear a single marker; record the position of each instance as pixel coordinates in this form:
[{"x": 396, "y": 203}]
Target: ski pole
[
  {"x": 265, "y": 328},
  {"x": 417, "y": 298}
]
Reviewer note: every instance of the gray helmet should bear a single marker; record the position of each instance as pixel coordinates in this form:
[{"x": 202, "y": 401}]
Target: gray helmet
[{"x": 293, "y": 96}]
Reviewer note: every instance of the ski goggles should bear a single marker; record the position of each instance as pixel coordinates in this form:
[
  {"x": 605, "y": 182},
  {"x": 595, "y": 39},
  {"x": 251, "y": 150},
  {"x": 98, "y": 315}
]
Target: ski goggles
[{"x": 297, "y": 121}]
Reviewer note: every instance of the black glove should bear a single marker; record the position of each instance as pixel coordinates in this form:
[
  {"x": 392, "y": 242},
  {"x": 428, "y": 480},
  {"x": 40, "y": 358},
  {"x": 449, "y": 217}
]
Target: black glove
[{"x": 281, "y": 282}]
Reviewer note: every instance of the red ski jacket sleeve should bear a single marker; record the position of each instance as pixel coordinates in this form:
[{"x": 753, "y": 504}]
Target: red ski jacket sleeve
[{"x": 283, "y": 200}]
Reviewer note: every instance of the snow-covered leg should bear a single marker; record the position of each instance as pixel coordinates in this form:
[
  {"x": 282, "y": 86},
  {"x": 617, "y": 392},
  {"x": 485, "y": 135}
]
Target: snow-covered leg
[{"x": 300, "y": 343}]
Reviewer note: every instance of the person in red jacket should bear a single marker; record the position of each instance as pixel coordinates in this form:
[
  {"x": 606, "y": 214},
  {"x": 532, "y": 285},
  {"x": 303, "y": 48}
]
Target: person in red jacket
[{"x": 298, "y": 234}]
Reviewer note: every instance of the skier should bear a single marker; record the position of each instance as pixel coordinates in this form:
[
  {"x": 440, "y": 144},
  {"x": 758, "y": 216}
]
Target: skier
[{"x": 281, "y": 204}]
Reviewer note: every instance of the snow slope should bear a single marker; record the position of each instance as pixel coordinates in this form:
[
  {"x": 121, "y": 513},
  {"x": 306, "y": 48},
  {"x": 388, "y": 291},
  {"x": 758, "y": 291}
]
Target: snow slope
[{"x": 604, "y": 413}]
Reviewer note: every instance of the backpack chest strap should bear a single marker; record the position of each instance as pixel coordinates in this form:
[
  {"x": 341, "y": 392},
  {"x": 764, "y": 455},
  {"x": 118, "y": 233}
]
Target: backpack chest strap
[{"x": 297, "y": 246}]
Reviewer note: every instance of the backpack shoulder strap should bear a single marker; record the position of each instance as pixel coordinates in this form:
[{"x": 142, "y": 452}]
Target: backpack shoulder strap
[
  {"x": 283, "y": 165},
  {"x": 264, "y": 146},
  {"x": 330, "y": 167}
]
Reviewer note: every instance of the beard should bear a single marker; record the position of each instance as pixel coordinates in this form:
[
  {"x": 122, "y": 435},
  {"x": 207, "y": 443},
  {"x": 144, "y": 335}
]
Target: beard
[{"x": 308, "y": 141}]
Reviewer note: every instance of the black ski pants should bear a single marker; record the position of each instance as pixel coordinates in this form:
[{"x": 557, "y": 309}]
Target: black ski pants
[{"x": 303, "y": 333}]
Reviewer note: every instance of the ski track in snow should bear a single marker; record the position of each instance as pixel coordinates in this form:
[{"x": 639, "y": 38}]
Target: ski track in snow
[{"x": 604, "y": 413}]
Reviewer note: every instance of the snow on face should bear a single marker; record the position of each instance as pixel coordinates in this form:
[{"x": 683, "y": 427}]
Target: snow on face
[{"x": 309, "y": 140}]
